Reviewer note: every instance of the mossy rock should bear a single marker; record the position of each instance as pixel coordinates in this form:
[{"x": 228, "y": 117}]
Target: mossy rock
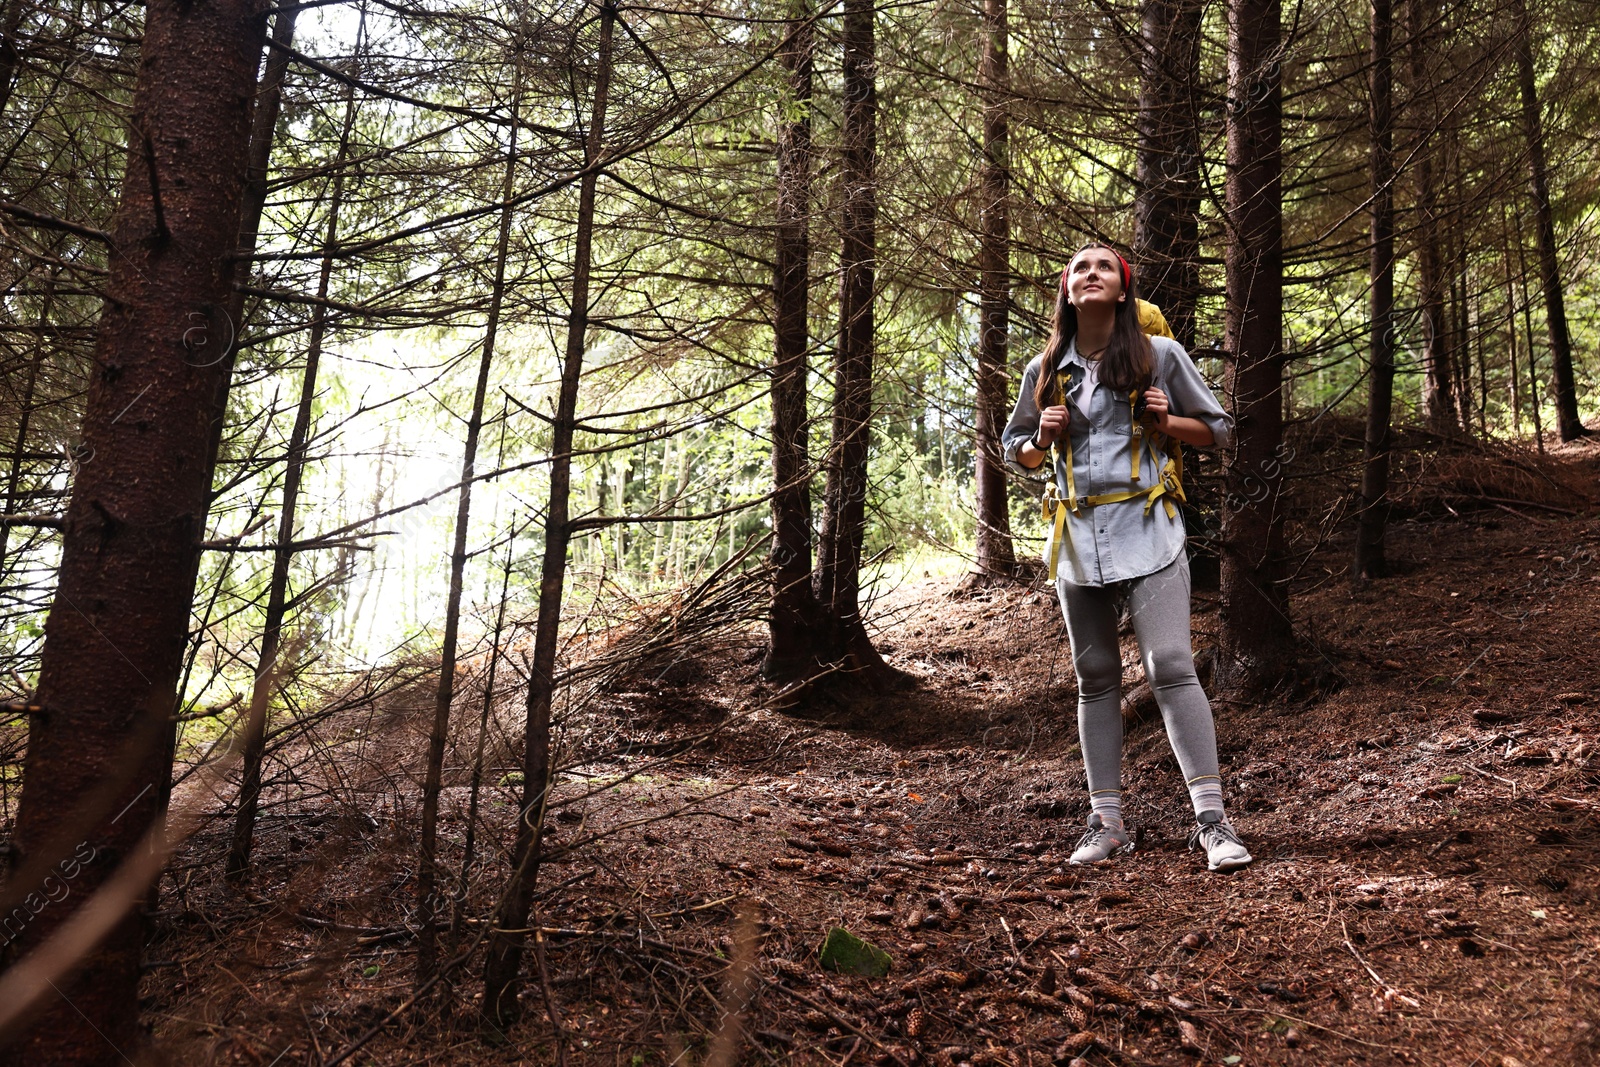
[{"x": 846, "y": 953}]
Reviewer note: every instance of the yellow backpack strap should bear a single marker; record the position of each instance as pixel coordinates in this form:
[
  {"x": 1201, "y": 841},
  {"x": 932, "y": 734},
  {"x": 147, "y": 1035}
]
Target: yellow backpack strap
[
  {"x": 1152, "y": 323},
  {"x": 1167, "y": 459},
  {"x": 1064, "y": 443},
  {"x": 1136, "y": 446},
  {"x": 1175, "y": 461},
  {"x": 1171, "y": 483},
  {"x": 1055, "y": 508},
  {"x": 1055, "y": 513}
]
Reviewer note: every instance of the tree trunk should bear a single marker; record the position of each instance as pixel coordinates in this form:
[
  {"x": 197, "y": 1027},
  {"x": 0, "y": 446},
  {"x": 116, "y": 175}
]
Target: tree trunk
[
  {"x": 794, "y": 607},
  {"x": 10, "y": 48},
  {"x": 1166, "y": 209},
  {"x": 96, "y": 764},
  {"x": 1567, "y": 420},
  {"x": 1438, "y": 401},
  {"x": 264, "y": 123},
  {"x": 475, "y": 788},
  {"x": 1255, "y": 638},
  {"x": 995, "y": 552},
  {"x": 1166, "y": 218},
  {"x": 13, "y": 500},
  {"x": 500, "y": 976},
  {"x": 1535, "y": 400},
  {"x": 263, "y": 129},
  {"x": 1451, "y": 319},
  {"x": 427, "y": 864},
  {"x": 1373, "y": 516},
  {"x": 1460, "y": 320},
  {"x": 1512, "y": 342},
  {"x": 266, "y": 674},
  {"x": 837, "y": 581},
  {"x": 1476, "y": 306}
]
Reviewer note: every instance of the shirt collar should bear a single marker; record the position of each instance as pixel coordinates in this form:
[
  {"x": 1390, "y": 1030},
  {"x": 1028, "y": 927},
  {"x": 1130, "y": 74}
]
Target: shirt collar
[{"x": 1071, "y": 356}]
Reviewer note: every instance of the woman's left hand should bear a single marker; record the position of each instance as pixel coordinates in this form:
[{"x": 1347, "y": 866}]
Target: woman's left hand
[
  {"x": 1156, "y": 403},
  {"x": 1190, "y": 431}
]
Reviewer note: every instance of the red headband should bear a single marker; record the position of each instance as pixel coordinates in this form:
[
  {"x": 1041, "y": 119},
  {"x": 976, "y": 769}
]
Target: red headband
[{"x": 1127, "y": 272}]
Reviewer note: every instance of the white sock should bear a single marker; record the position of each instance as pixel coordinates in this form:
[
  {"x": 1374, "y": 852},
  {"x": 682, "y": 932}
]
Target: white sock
[
  {"x": 1107, "y": 803},
  {"x": 1205, "y": 792}
]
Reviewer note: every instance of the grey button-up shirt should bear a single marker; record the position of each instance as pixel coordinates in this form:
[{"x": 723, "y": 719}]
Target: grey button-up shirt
[{"x": 1114, "y": 542}]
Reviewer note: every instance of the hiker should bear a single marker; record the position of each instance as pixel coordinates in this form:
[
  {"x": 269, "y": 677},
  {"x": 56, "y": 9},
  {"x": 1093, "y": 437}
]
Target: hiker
[{"x": 1114, "y": 404}]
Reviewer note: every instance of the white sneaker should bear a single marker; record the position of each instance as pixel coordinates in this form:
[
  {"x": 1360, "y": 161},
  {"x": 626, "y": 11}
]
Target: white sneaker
[
  {"x": 1224, "y": 850},
  {"x": 1100, "y": 842}
]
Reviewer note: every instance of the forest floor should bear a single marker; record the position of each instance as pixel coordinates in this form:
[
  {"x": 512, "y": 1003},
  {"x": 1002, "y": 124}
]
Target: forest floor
[{"x": 1423, "y": 816}]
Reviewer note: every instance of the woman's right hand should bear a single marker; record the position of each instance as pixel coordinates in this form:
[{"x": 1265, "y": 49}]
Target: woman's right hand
[{"x": 1052, "y": 424}]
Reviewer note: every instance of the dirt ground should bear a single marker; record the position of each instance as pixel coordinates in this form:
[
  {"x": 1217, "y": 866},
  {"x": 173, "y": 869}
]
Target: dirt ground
[{"x": 1423, "y": 816}]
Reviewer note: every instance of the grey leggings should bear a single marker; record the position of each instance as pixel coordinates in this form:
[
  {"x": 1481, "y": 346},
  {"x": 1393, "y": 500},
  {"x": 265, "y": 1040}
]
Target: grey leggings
[{"x": 1159, "y": 606}]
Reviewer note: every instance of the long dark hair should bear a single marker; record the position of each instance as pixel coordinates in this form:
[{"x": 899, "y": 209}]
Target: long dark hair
[{"x": 1128, "y": 361}]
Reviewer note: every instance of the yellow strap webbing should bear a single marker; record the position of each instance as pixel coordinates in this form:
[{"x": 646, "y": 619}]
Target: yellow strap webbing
[{"x": 1136, "y": 448}]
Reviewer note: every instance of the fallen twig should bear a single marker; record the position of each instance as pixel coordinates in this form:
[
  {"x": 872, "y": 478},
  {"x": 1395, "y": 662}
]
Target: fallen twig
[
  {"x": 1389, "y": 991},
  {"x": 838, "y": 1019},
  {"x": 1507, "y": 781},
  {"x": 1341, "y": 1035}
]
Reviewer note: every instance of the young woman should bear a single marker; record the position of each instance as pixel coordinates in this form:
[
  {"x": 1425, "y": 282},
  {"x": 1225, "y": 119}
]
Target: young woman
[{"x": 1113, "y": 404}]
